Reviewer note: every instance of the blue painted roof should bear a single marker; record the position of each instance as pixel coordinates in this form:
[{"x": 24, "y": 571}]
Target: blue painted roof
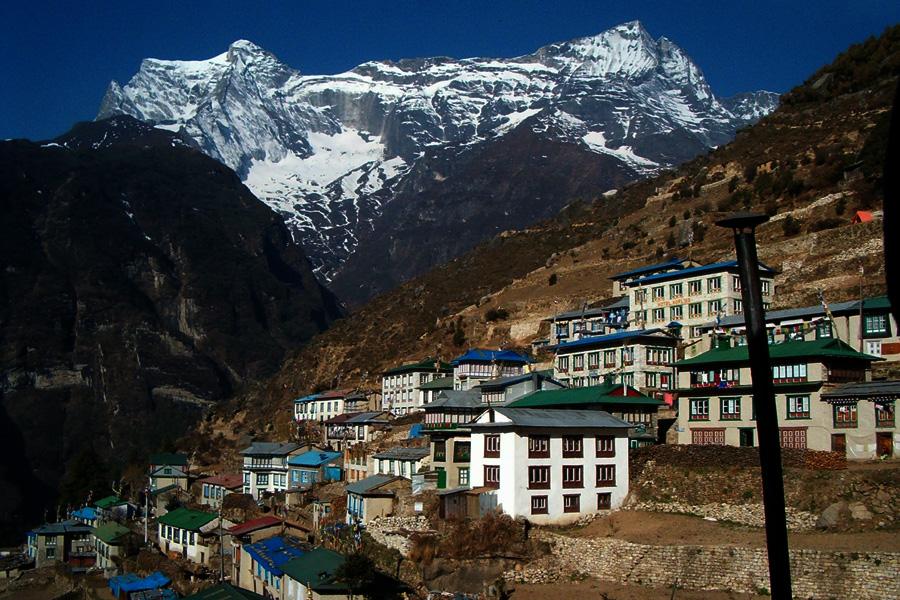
[
  {"x": 719, "y": 266},
  {"x": 602, "y": 339},
  {"x": 304, "y": 399},
  {"x": 273, "y": 552},
  {"x": 482, "y": 355},
  {"x": 674, "y": 262},
  {"x": 88, "y": 513},
  {"x": 313, "y": 458},
  {"x": 131, "y": 582}
]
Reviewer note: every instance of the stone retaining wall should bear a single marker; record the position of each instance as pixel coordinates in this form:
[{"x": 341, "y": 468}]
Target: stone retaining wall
[{"x": 815, "y": 574}]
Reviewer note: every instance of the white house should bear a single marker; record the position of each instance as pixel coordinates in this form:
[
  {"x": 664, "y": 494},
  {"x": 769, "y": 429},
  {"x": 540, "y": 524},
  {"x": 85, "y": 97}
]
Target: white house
[
  {"x": 191, "y": 534},
  {"x": 266, "y": 466},
  {"x": 551, "y": 466},
  {"x": 478, "y": 365},
  {"x": 400, "y": 392}
]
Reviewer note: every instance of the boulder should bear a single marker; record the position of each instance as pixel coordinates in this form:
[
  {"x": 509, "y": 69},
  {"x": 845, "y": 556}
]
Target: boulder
[
  {"x": 832, "y": 516},
  {"x": 859, "y": 512}
]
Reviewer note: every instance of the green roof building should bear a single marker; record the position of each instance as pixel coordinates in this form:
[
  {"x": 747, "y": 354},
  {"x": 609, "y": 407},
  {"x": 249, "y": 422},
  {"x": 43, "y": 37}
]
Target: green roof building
[
  {"x": 109, "y": 543},
  {"x": 401, "y": 386},
  {"x": 715, "y": 398}
]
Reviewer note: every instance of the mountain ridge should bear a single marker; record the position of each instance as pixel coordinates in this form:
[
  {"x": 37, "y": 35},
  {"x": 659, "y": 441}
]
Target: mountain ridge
[{"x": 329, "y": 152}]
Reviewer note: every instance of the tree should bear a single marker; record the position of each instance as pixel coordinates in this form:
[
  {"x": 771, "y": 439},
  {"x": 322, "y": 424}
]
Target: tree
[
  {"x": 790, "y": 226},
  {"x": 358, "y": 572},
  {"x": 86, "y": 474},
  {"x": 553, "y": 279}
]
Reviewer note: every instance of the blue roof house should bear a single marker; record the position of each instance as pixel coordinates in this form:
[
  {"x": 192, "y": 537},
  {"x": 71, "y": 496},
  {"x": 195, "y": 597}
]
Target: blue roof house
[
  {"x": 314, "y": 466},
  {"x": 264, "y": 559}
]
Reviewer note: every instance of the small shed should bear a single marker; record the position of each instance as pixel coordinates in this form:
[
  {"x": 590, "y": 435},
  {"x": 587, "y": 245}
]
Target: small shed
[
  {"x": 862, "y": 216},
  {"x": 466, "y": 503}
]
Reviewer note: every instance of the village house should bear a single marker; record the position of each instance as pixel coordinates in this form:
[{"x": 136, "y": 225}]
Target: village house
[
  {"x": 622, "y": 280},
  {"x": 373, "y": 497},
  {"x": 314, "y": 466},
  {"x": 114, "y": 508},
  {"x": 577, "y": 324},
  {"x": 447, "y": 422},
  {"x": 639, "y": 358},
  {"x": 321, "y": 509},
  {"x": 312, "y": 577},
  {"x": 261, "y": 564},
  {"x": 497, "y": 392},
  {"x": 400, "y": 461},
  {"x": 167, "y": 469},
  {"x": 691, "y": 297},
  {"x": 478, "y": 365},
  {"x": 266, "y": 467},
  {"x": 326, "y": 405},
  {"x": 247, "y": 533},
  {"x": 214, "y": 489},
  {"x": 400, "y": 386},
  {"x": 69, "y": 542},
  {"x": 188, "y": 534},
  {"x": 878, "y": 335},
  {"x": 349, "y": 429},
  {"x": 551, "y": 466},
  {"x": 434, "y": 387},
  {"x": 621, "y": 401},
  {"x": 715, "y": 394},
  {"x": 110, "y": 542},
  {"x": 86, "y": 514},
  {"x": 356, "y": 462}
]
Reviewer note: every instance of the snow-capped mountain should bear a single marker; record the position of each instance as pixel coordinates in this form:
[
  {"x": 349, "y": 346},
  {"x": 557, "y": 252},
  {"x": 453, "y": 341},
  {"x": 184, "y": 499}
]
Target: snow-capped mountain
[{"x": 329, "y": 152}]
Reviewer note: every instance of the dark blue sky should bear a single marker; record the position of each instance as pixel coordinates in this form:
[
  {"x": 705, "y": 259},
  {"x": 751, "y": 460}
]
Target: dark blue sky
[{"x": 56, "y": 58}]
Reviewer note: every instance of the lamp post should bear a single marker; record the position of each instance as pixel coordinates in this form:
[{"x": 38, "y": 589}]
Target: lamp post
[{"x": 744, "y": 225}]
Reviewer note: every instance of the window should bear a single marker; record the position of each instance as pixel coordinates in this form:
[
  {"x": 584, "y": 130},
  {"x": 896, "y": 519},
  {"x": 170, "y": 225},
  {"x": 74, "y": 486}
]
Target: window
[
  {"x": 676, "y": 313},
  {"x": 193, "y": 539},
  {"x": 713, "y": 307},
  {"x": 730, "y": 409},
  {"x": 651, "y": 380},
  {"x": 658, "y": 356},
  {"x": 718, "y": 378},
  {"x": 798, "y": 407},
  {"x": 440, "y": 450},
  {"x": 593, "y": 360},
  {"x": 604, "y": 501},
  {"x": 538, "y": 478},
  {"x": 572, "y": 503},
  {"x": 659, "y": 293},
  {"x": 538, "y": 446},
  {"x": 609, "y": 358},
  {"x": 492, "y": 475},
  {"x": 578, "y": 362},
  {"x": 606, "y": 446},
  {"x": 539, "y": 505},
  {"x": 640, "y": 316},
  {"x": 845, "y": 415},
  {"x": 789, "y": 373},
  {"x": 737, "y": 306},
  {"x": 640, "y": 296},
  {"x": 562, "y": 363},
  {"x": 606, "y": 475},
  {"x": 262, "y": 479},
  {"x": 628, "y": 355},
  {"x": 492, "y": 446},
  {"x": 206, "y": 490},
  {"x": 461, "y": 452},
  {"x": 675, "y": 290},
  {"x": 736, "y": 283},
  {"x": 695, "y": 310},
  {"x": 573, "y": 476},
  {"x": 823, "y": 331},
  {"x": 572, "y": 446},
  {"x": 713, "y": 284},
  {"x": 659, "y": 314},
  {"x": 664, "y": 379},
  {"x": 884, "y": 413},
  {"x": 626, "y": 379},
  {"x": 695, "y": 286},
  {"x": 464, "y": 476},
  {"x": 699, "y": 409},
  {"x": 562, "y": 330},
  {"x": 766, "y": 288},
  {"x": 708, "y": 436},
  {"x": 50, "y": 552},
  {"x": 876, "y": 325}
]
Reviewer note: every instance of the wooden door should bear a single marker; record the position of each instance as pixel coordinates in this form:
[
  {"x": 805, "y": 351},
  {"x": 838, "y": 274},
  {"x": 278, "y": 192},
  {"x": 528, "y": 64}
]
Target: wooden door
[
  {"x": 839, "y": 443},
  {"x": 884, "y": 444}
]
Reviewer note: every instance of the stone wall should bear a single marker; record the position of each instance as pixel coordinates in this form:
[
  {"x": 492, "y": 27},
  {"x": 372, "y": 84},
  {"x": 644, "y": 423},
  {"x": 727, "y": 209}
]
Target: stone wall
[{"x": 815, "y": 574}]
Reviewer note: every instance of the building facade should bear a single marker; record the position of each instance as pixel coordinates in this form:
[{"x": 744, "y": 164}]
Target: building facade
[
  {"x": 478, "y": 365},
  {"x": 446, "y": 423},
  {"x": 188, "y": 534},
  {"x": 214, "y": 489},
  {"x": 401, "y": 391},
  {"x": 69, "y": 542},
  {"x": 266, "y": 467},
  {"x": 715, "y": 394},
  {"x": 402, "y": 462},
  {"x": 551, "y": 466}
]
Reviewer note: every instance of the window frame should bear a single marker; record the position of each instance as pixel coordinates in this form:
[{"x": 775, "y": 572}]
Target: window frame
[
  {"x": 492, "y": 449},
  {"x": 575, "y": 445},
  {"x": 605, "y": 481},
  {"x": 540, "y": 510},
  {"x": 730, "y": 416},
  {"x": 606, "y": 446},
  {"x": 852, "y": 422},
  {"x": 573, "y": 476},
  {"x": 697, "y": 415},
  {"x": 539, "y": 477},
  {"x": 538, "y": 446},
  {"x": 489, "y": 481},
  {"x": 567, "y": 503},
  {"x": 795, "y": 415}
]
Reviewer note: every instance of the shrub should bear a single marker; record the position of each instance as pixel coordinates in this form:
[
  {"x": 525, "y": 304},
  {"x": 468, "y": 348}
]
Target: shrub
[
  {"x": 732, "y": 184},
  {"x": 459, "y": 335},
  {"x": 496, "y": 314},
  {"x": 670, "y": 241},
  {"x": 699, "y": 230},
  {"x": 553, "y": 279},
  {"x": 672, "y": 221},
  {"x": 840, "y": 206},
  {"x": 629, "y": 245},
  {"x": 826, "y": 223},
  {"x": 790, "y": 226},
  {"x": 750, "y": 173}
]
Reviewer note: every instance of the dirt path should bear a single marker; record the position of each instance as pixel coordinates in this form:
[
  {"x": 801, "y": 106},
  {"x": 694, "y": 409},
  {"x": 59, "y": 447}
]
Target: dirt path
[
  {"x": 668, "y": 529},
  {"x": 602, "y": 590}
]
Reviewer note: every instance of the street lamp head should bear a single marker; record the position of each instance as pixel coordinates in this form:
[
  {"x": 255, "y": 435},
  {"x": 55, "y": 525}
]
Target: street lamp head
[{"x": 743, "y": 220}]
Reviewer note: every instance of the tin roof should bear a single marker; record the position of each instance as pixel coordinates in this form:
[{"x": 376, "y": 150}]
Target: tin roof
[
  {"x": 254, "y": 525},
  {"x": 402, "y": 453},
  {"x": 455, "y": 399},
  {"x": 315, "y": 568},
  {"x": 483, "y": 355},
  {"x": 62, "y": 527},
  {"x": 554, "y": 419},
  {"x": 790, "y": 313},
  {"x": 110, "y": 532},
  {"x": 787, "y": 350},
  {"x": 269, "y": 448},
  {"x": 728, "y": 265},
  {"x": 868, "y": 390},
  {"x": 109, "y": 502},
  {"x": 275, "y": 551},
  {"x": 672, "y": 263},
  {"x": 579, "y": 396},
  {"x": 186, "y": 518},
  {"x": 426, "y": 365},
  {"x": 441, "y": 383},
  {"x": 612, "y": 338},
  {"x": 313, "y": 458},
  {"x": 367, "y": 417},
  {"x": 229, "y": 481},
  {"x": 370, "y": 484}
]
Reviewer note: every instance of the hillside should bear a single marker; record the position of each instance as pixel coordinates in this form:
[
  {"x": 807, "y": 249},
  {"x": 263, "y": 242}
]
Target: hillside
[
  {"x": 140, "y": 283},
  {"x": 809, "y": 165}
]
